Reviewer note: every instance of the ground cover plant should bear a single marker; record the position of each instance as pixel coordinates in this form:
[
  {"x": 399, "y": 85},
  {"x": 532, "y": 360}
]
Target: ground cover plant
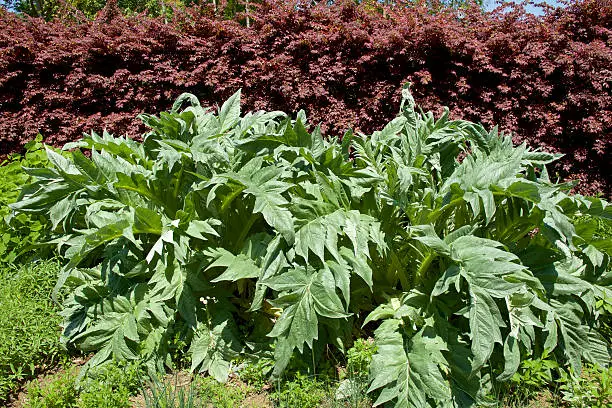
[
  {"x": 58, "y": 393},
  {"x": 110, "y": 386},
  {"x": 29, "y": 324},
  {"x": 545, "y": 79},
  {"x": 253, "y": 236}
]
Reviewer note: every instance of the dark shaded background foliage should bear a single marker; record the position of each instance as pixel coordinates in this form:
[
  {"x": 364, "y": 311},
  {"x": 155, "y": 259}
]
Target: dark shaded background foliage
[{"x": 545, "y": 79}]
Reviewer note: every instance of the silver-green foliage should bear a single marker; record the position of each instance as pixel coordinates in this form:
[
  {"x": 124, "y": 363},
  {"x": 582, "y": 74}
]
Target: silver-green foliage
[{"x": 249, "y": 234}]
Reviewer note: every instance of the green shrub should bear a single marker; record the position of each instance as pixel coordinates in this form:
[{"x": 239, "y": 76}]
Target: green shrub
[
  {"x": 18, "y": 233},
  {"x": 29, "y": 323},
  {"x": 251, "y": 235}
]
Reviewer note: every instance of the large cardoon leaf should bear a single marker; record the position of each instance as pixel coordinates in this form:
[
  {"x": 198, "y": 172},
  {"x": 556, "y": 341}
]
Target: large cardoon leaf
[
  {"x": 485, "y": 321},
  {"x": 485, "y": 267},
  {"x": 320, "y": 227},
  {"x": 215, "y": 343},
  {"x": 410, "y": 369},
  {"x": 264, "y": 184},
  {"x": 229, "y": 112},
  {"x": 304, "y": 296}
]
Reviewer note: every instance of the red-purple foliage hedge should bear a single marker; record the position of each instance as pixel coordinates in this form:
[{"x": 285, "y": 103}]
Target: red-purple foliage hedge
[{"x": 547, "y": 79}]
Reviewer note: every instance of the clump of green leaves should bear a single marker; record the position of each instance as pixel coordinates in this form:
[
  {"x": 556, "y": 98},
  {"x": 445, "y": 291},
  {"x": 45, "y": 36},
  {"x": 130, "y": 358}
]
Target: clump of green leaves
[
  {"x": 301, "y": 391},
  {"x": 359, "y": 357},
  {"x": 256, "y": 373},
  {"x": 20, "y": 232},
  {"x": 60, "y": 392},
  {"x": 592, "y": 389},
  {"x": 532, "y": 377},
  {"x": 252, "y": 235},
  {"x": 221, "y": 395},
  {"x": 353, "y": 386},
  {"x": 534, "y": 374},
  {"x": 29, "y": 323},
  {"x": 110, "y": 385}
]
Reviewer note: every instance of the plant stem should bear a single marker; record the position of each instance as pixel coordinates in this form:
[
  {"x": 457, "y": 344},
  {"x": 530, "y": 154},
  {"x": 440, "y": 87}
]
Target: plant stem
[
  {"x": 423, "y": 268},
  {"x": 231, "y": 198},
  {"x": 245, "y": 230},
  {"x": 179, "y": 180}
]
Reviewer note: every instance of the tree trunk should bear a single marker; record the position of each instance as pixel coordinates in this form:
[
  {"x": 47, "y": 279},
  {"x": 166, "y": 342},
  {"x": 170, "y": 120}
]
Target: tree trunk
[{"x": 246, "y": 9}]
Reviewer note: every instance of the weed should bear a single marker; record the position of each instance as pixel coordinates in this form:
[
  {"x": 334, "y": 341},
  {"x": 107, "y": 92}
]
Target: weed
[
  {"x": 256, "y": 373},
  {"x": 218, "y": 395},
  {"x": 359, "y": 357},
  {"x": 592, "y": 389},
  {"x": 535, "y": 373},
  {"x": 353, "y": 387},
  {"x": 533, "y": 376},
  {"x": 110, "y": 386},
  {"x": 301, "y": 392},
  {"x": 59, "y": 393}
]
